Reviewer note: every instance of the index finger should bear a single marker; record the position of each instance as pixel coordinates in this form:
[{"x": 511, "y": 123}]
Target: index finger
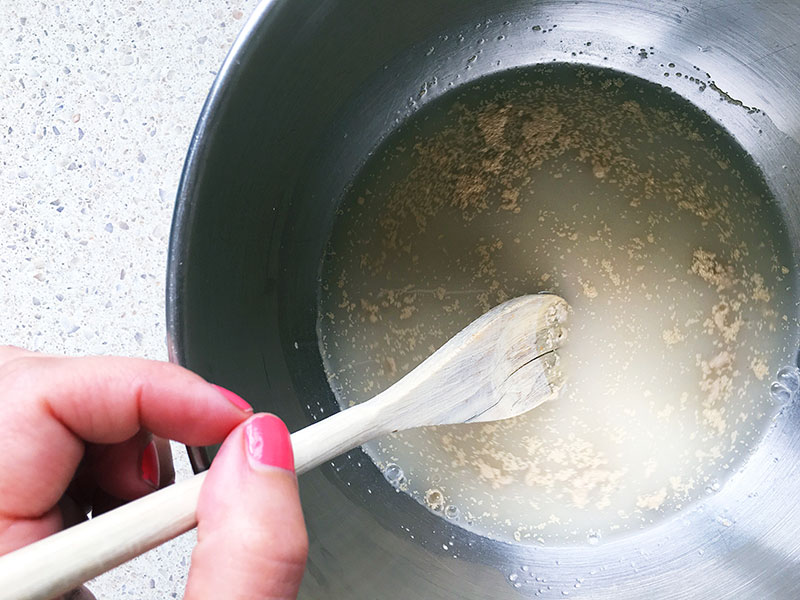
[{"x": 51, "y": 405}]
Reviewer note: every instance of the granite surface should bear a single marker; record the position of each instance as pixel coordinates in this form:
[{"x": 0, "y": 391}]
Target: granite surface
[{"x": 98, "y": 101}]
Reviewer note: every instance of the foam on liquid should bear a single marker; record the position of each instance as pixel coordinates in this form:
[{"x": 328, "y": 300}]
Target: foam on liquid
[{"x": 646, "y": 218}]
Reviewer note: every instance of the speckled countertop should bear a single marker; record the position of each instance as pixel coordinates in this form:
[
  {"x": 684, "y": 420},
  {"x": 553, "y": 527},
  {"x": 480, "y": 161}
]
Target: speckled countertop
[{"x": 98, "y": 101}]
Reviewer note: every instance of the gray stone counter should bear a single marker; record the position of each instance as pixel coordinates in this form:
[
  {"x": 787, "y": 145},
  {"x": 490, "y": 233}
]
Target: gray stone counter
[{"x": 98, "y": 101}]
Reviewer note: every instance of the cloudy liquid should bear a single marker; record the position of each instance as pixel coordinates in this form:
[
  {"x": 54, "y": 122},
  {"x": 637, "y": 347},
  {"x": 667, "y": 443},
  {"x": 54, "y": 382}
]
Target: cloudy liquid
[{"x": 646, "y": 218}]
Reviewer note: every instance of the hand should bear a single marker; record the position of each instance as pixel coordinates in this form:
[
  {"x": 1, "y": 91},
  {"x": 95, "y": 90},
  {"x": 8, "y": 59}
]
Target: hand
[{"x": 79, "y": 436}]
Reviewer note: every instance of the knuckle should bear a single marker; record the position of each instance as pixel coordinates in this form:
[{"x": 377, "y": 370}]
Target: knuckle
[
  {"x": 10, "y": 353},
  {"x": 22, "y": 372},
  {"x": 299, "y": 552},
  {"x": 286, "y": 548}
]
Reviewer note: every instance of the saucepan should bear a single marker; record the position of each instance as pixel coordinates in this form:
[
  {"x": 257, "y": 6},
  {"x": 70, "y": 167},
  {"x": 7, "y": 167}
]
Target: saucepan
[{"x": 307, "y": 93}]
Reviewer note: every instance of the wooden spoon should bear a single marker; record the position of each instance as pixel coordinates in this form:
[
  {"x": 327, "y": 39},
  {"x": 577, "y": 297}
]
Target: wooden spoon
[{"x": 500, "y": 366}]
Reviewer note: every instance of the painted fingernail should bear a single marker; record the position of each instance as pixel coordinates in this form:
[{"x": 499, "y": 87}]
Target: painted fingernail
[
  {"x": 234, "y": 399},
  {"x": 267, "y": 443},
  {"x": 150, "y": 468}
]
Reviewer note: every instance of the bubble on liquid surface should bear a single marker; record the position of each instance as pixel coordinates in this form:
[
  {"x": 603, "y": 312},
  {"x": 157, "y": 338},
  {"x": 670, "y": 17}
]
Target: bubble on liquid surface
[
  {"x": 593, "y": 538},
  {"x": 434, "y": 499},
  {"x": 393, "y": 473},
  {"x": 779, "y": 392},
  {"x": 451, "y": 511},
  {"x": 789, "y": 377}
]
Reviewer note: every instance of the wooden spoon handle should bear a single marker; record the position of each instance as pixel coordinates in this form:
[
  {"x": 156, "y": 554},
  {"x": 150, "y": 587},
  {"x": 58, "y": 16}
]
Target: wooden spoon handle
[
  {"x": 342, "y": 431},
  {"x": 65, "y": 560}
]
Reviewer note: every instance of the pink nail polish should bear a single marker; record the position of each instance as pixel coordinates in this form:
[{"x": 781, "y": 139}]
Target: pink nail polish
[
  {"x": 234, "y": 399},
  {"x": 267, "y": 443},
  {"x": 150, "y": 468}
]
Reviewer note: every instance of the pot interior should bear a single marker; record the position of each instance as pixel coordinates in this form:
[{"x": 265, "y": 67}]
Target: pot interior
[
  {"x": 261, "y": 197},
  {"x": 654, "y": 225}
]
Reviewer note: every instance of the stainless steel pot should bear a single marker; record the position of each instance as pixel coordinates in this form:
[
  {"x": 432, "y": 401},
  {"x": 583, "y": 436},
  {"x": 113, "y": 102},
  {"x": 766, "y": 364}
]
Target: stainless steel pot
[{"x": 306, "y": 94}]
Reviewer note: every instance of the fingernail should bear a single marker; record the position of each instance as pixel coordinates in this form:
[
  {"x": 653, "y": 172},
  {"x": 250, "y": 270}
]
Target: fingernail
[
  {"x": 267, "y": 443},
  {"x": 149, "y": 466},
  {"x": 234, "y": 399}
]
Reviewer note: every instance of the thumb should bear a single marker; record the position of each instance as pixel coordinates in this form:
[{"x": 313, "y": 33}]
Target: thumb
[{"x": 252, "y": 541}]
